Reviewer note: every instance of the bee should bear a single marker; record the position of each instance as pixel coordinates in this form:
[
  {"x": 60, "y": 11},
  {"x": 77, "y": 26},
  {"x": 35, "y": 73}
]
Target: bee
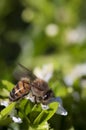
[{"x": 28, "y": 83}]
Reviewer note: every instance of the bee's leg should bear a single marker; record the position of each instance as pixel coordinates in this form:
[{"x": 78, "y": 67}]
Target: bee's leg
[{"x": 35, "y": 99}]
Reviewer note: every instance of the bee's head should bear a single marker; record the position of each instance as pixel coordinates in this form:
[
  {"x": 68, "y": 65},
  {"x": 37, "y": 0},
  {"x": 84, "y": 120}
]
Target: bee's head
[{"x": 48, "y": 95}]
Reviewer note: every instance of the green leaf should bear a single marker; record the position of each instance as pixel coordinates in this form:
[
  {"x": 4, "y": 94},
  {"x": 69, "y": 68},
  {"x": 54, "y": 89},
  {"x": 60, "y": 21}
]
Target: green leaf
[
  {"x": 5, "y": 121},
  {"x": 45, "y": 115},
  {"x": 36, "y": 110},
  {"x": 6, "y": 84},
  {"x": 26, "y": 106},
  {"x": 7, "y": 110}
]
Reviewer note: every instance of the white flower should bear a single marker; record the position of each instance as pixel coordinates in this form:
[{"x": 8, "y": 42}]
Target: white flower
[
  {"x": 77, "y": 35},
  {"x": 77, "y": 72},
  {"x": 16, "y": 119},
  {"x": 4, "y": 103},
  {"x": 51, "y": 30},
  {"x": 60, "y": 110},
  {"x": 45, "y": 73},
  {"x": 13, "y": 115}
]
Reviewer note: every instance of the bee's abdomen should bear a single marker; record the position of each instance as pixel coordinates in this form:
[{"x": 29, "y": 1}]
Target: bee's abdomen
[{"x": 21, "y": 89}]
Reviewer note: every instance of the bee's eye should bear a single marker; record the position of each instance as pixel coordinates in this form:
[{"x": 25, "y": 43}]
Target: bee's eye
[{"x": 47, "y": 95}]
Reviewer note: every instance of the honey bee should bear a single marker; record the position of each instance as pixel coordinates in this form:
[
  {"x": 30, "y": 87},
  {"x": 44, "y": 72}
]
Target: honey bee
[{"x": 30, "y": 84}]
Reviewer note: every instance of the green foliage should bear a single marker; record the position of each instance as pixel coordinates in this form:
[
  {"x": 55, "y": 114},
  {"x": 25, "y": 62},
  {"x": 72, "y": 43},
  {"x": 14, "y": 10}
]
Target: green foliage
[
  {"x": 46, "y": 115},
  {"x": 7, "y": 85},
  {"x": 5, "y": 112},
  {"x": 39, "y": 33}
]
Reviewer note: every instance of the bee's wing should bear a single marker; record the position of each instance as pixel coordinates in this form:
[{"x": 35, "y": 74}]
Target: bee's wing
[{"x": 23, "y": 72}]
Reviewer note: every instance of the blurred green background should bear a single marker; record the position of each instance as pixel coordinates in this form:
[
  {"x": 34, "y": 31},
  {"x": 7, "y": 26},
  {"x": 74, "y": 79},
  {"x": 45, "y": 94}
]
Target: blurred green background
[{"x": 41, "y": 32}]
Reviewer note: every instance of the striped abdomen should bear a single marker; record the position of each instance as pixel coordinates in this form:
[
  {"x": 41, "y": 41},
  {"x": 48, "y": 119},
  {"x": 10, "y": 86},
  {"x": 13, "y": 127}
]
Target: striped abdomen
[{"x": 21, "y": 89}]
